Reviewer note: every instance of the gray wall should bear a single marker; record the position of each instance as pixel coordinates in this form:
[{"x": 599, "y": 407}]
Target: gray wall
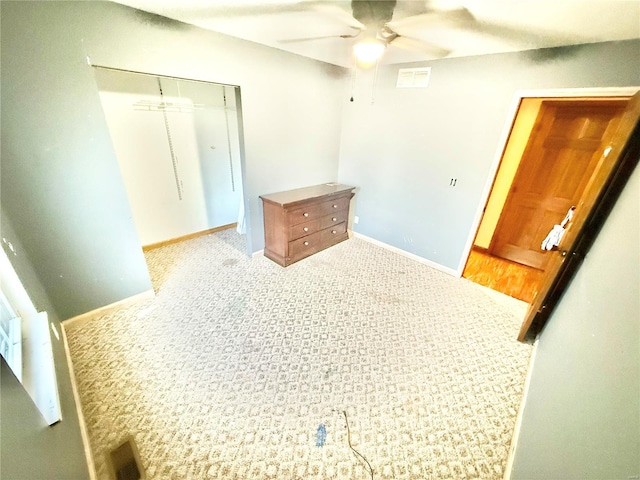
[
  {"x": 61, "y": 185},
  {"x": 402, "y": 150},
  {"x": 582, "y": 415},
  {"x": 29, "y": 448},
  {"x": 63, "y": 199}
]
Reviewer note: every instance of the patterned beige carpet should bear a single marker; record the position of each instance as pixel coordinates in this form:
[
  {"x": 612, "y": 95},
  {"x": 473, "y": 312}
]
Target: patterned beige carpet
[{"x": 237, "y": 366}]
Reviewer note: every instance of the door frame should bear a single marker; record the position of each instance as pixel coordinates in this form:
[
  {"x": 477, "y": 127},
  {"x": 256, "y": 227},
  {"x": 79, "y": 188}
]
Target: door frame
[
  {"x": 594, "y": 207},
  {"x": 528, "y": 158},
  {"x": 504, "y": 139}
]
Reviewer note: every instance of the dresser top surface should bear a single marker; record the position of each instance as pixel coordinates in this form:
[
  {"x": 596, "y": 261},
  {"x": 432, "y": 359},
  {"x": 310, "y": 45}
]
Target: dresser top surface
[{"x": 299, "y": 194}]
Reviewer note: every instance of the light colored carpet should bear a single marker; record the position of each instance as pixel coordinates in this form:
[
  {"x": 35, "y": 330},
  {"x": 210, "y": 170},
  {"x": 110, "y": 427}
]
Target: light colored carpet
[{"x": 231, "y": 369}]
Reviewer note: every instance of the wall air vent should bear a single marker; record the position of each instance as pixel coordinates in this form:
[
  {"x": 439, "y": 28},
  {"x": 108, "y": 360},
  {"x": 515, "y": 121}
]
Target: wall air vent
[{"x": 413, "y": 77}]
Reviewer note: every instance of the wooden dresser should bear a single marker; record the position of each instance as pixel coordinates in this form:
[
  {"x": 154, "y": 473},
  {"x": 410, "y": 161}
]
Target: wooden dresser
[{"x": 301, "y": 222}]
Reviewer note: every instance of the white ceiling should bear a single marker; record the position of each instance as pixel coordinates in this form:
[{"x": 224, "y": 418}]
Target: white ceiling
[{"x": 495, "y": 25}]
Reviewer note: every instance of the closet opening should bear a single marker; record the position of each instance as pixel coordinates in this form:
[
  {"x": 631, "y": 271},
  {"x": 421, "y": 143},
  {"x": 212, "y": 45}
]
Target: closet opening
[{"x": 178, "y": 145}]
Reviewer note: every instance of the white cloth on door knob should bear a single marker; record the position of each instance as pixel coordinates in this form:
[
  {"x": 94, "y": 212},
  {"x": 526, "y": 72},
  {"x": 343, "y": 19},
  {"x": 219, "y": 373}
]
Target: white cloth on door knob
[
  {"x": 553, "y": 239},
  {"x": 557, "y": 232}
]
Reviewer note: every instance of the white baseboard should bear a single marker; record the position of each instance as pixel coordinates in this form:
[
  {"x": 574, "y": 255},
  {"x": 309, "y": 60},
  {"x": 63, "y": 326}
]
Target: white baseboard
[
  {"x": 84, "y": 433},
  {"x": 404, "y": 253},
  {"x": 85, "y": 317},
  {"x": 518, "y": 425},
  {"x": 108, "y": 308},
  {"x": 259, "y": 253}
]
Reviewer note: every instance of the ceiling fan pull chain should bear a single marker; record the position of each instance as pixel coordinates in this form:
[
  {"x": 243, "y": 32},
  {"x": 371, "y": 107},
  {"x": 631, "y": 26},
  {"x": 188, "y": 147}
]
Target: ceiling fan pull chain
[
  {"x": 353, "y": 77},
  {"x": 375, "y": 81}
]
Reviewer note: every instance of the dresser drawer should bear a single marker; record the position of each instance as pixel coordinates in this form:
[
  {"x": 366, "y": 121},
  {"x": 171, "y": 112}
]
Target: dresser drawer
[
  {"x": 304, "y": 229},
  {"x": 328, "y": 235},
  {"x": 315, "y": 242},
  {"x": 334, "y": 219},
  {"x": 306, "y": 245},
  {"x": 312, "y": 226},
  {"x": 317, "y": 210}
]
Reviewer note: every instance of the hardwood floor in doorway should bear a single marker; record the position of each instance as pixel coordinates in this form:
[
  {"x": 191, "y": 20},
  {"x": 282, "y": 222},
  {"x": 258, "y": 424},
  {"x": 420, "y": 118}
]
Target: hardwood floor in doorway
[{"x": 511, "y": 278}]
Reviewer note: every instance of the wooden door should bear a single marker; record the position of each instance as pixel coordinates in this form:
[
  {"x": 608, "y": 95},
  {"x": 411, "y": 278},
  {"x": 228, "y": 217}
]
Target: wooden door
[
  {"x": 617, "y": 158},
  {"x": 556, "y": 166}
]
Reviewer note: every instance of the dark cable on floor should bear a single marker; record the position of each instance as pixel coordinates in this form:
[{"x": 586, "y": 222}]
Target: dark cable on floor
[{"x": 361, "y": 457}]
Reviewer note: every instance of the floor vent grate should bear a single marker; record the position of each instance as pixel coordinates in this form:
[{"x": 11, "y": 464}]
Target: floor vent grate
[{"x": 125, "y": 462}]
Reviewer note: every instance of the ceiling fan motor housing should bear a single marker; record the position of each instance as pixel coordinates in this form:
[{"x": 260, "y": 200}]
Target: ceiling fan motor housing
[{"x": 373, "y": 14}]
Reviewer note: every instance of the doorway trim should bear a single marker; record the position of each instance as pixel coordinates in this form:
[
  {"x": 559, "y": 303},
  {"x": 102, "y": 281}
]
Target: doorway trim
[{"x": 512, "y": 113}]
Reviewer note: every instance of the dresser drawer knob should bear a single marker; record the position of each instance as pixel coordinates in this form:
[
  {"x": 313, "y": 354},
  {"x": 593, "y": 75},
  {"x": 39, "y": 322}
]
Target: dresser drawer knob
[
  {"x": 306, "y": 229},
  {"x": 334, "y": 232},
  {"x": 335, "y": 206},
  {"x": 305, "y": 214},
  {"x": 334, "y": 219},
  {"x": 306, "y": 243}
]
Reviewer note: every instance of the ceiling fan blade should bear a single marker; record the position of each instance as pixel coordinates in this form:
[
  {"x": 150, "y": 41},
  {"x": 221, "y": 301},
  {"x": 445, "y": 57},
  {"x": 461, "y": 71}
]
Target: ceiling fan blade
[
  {"x": 522, "y": 35},
  {"x": 408, "y": 43},
  {"x": 339, "y": 14},
  {"x": 322, "y": 37},
  {"x": 459, "y": 18},
  {"x": 462, "y": 19},
  {"x": 340, "y": 11},
  {"x": 234, "y": 8}
]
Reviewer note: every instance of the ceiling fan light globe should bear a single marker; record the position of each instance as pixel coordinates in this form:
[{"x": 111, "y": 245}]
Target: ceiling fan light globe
[{"x": 368, "y": 51}]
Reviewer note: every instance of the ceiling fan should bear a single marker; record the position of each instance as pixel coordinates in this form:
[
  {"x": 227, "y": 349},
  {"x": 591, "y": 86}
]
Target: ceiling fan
[{"x": 375, "y": 27}]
